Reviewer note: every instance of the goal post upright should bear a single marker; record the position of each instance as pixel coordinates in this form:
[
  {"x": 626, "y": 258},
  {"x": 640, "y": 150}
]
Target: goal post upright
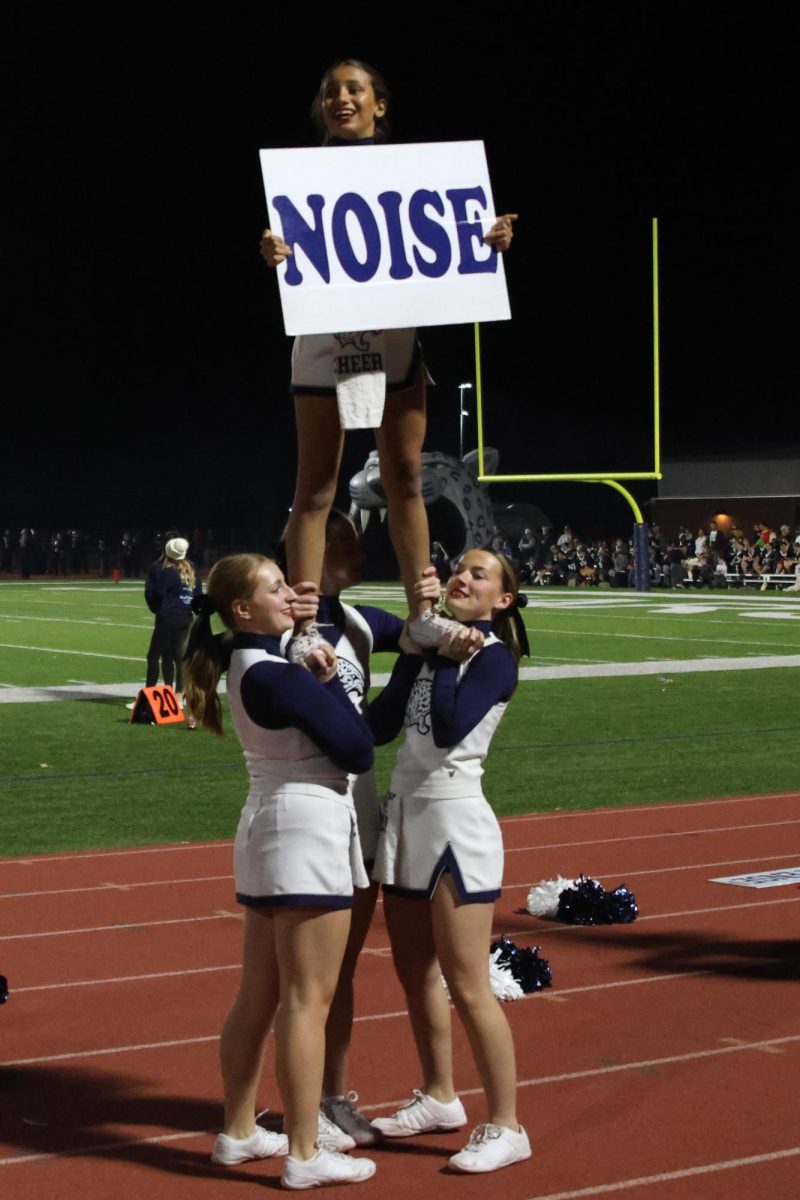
[{"x": 609, "y": 478}]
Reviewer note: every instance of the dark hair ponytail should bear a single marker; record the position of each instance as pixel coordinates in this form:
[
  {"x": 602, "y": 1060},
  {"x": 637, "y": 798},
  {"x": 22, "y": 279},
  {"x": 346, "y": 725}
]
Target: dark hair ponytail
[{"x": 507, "y": 623}]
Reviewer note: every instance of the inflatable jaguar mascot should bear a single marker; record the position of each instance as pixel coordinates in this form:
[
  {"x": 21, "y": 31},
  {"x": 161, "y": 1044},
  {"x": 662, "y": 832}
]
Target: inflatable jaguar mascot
[{"x": 459, "y": 509}]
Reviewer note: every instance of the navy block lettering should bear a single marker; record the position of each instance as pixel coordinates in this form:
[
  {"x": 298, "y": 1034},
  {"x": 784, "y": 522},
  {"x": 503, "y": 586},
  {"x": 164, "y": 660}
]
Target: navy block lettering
[
  {"x": 470, "y": 231},
  {"x": 310, "y": 238},
  {"x": 351, "y": 202},
  {"x": 390, "y": 203},
  {"x": 430, "y": 233}
]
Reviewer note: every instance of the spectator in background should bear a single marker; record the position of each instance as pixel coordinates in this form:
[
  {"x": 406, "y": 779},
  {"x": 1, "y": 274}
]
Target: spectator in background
[{"x": 170, "y": 587}]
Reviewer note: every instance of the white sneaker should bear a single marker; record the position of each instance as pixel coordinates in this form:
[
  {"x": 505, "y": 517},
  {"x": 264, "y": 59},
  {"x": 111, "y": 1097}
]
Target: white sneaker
[
  {"x": 423, "y": 1114},
  {"x": 430, "y": 629},
  {"x": 324, "y": 1168},
  {"x": 262, "y": 1143},
  {"x": 491, "y": 1147},
  {"x": 342, "y": 1111},
  {"x": 330, "y": 1136}
]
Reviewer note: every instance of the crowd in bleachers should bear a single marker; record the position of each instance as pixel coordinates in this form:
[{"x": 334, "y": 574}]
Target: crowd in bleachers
[{"x": 708, "y": 558}]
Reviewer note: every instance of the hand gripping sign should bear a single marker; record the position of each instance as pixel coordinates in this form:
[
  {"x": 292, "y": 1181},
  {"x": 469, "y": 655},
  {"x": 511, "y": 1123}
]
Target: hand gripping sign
[{"x": 389, "y": 237}]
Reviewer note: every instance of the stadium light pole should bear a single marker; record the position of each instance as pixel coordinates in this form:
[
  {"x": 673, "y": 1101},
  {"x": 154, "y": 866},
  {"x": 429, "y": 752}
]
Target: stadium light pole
[{"x": 462, "y": 412}]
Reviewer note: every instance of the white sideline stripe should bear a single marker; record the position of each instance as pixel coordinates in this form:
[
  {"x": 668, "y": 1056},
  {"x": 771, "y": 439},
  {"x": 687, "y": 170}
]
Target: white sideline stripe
[
  {"x": 35, "y": 859},
  {"x": 689, "y": 912},
  {"x": 81, "y": 691},
  {"x": 624, "y": 1185},
  {"x": 107, "y": 887},
  {"x": 75, "y": 653},
  {"x": 97, "y": 622},
  {"x": 602, "y": 670},
  {"x": 110, "y": 887},
  {"x": 647, "y": 837}
]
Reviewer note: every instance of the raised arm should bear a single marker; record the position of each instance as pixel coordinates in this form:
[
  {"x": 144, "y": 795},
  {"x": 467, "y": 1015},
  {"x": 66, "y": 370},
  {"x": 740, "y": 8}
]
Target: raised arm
[{"x": 457, "y": 706}]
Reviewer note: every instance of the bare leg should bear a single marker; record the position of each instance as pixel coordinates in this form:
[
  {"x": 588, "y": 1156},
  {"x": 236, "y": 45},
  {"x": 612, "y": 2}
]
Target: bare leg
[
  {"x": 339, "y": 1027},
  {"x": 244, "y": 1034},
  {"x": 320, "y": 441},
  {"x": 462, "y": 934},
  {"x": 309, "y": 944},
  {"x": 417, "y": 967},
  {"x": 400, "y": 439}
]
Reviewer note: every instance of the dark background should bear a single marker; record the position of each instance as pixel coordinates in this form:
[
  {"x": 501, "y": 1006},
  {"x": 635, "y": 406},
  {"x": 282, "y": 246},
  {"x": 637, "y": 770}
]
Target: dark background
[{"x": 146, "y": 365}]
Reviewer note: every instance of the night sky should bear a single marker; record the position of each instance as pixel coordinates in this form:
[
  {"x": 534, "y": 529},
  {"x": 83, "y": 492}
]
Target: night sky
[{"x": 147, "y": 368}]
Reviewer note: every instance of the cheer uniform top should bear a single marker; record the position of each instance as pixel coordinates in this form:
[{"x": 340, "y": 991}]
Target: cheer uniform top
[
  {"x": 358, "y": 367},
  {"x": 435, "y": 817},
  {"x": 297, "y": 842}
]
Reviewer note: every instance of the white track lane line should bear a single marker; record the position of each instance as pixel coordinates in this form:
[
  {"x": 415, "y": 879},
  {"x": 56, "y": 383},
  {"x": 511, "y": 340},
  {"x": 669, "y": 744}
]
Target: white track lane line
[
  {"x": 621, "y": 872},
  {"x": 625, "y": 1185},
  {"x": 647, "y": 837},
  {"x": 624, "y": 874},
  {"x": 590, "y": 987},
  {"x": 648, "y": 808},
  {"x": 540, "y": 1081},
  {"x": 225, "y": 916},
  {"x": 34, "y": 860},
  {"x": 115, "y": 887}
]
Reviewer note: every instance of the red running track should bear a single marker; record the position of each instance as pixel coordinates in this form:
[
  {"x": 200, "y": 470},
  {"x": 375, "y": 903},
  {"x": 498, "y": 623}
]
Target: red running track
[{"x": 663, "y": 1064}]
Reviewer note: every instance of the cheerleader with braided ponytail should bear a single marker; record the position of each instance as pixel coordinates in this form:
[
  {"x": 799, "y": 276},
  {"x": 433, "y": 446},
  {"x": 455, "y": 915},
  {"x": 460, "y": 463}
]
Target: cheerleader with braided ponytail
[{"x": 297, "y": 856}]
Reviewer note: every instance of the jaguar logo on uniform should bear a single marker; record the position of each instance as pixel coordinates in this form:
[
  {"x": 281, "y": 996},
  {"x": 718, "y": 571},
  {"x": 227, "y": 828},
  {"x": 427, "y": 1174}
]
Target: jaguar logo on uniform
[
  {"x": 418, "y": 709},
  {"x": 350, "y": 676},
  {"x": 358, "y": 339}
]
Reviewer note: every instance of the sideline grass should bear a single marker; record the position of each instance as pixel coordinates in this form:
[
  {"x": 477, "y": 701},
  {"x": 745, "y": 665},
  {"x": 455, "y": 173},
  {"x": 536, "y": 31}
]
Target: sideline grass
[{"x": 564, "y": 744}]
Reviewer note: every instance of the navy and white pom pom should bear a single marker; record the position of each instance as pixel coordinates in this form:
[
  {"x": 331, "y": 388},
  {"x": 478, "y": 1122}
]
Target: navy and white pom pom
[
  {"x": 530, "y": 972},
  {"x": 543, "y": 896},
  {"x": 588, "y": 903}
]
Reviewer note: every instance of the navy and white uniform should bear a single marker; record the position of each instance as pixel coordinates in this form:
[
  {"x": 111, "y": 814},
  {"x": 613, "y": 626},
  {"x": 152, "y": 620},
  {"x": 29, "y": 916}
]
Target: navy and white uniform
[
  {"x": 435, "y": 817},
  {"x": 297, "y": 842}
]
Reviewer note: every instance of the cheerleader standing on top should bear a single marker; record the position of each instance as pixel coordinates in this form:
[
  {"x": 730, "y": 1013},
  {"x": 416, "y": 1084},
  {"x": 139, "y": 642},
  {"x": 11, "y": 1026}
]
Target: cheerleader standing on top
[
  {"x": 440, "y": 857},
  {"x": 297, "y": 857},
  {"x": 351, "y": 111}
]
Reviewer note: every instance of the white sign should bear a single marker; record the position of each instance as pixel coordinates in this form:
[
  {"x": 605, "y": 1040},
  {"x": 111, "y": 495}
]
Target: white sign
[
  {"x": 385, "y": 237},
  {"x": 764, "y": 879}
]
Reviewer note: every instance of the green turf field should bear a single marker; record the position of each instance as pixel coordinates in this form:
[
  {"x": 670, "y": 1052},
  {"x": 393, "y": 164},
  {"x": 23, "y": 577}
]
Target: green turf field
[{"x": 627, "y": 699}]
